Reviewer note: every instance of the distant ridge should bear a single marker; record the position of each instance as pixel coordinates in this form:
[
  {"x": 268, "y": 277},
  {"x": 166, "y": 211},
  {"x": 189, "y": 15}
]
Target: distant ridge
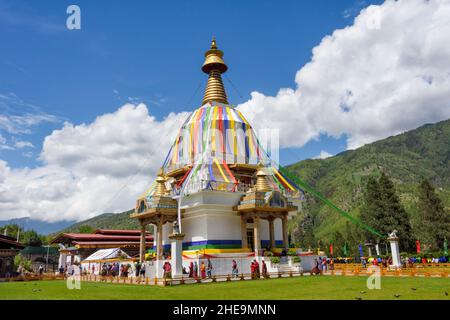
[
  {"x": 39, "y": 226},
  {"x": 407, "y": 158}
]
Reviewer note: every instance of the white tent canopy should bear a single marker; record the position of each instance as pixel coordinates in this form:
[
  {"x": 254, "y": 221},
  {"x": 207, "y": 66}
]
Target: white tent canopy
[{"x": 105, "y": 254}]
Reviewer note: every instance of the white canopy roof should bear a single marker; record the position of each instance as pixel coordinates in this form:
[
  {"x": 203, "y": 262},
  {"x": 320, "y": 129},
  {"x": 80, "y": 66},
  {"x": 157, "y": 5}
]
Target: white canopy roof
[{"x": 104, "y": 254}]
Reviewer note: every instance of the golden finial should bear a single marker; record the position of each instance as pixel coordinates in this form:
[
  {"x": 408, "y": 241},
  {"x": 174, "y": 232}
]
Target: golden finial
[
  {"x": 262, "y": 185},
  {"x": 214, "y": 66},
  {"x": 213, "y": 43},
  {"x": 160, "y": 189}
]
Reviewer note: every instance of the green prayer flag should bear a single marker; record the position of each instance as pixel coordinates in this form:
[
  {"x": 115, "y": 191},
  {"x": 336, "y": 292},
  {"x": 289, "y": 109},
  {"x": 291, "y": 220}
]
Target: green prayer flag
[{"x": 345, "y": 249}]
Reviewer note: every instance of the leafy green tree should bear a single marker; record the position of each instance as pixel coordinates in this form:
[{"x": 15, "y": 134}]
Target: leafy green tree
[
  {"x": 10, "y": 230},
  {"x": 303, "y": 233},
  {"x": 372, "y": 207},
  {"x": 337, "y": 240},
  {"x": 433, "y": 222},
  {"x": 384, "y": 212},
  {"x": 20, "y": 260},
  {"x": 31, "y": 238},
  {"x": 85, "y": 228}
]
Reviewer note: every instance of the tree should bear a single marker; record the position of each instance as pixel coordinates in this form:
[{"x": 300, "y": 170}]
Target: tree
[
  {"x": 303, "y": 233},
  {"x": 384, "y": 212},
  {"x": 395, "y": 216},
  {"x": 20, "y": 260},
  {"x": 31, "y": 238},
  {"x": 85, "y": 228},
  {"x": 372, "y": 207},
  {"x": 433, "y": 223},
  {"x": 338, "y": 241},
  {"x": 10, "y": 230}
]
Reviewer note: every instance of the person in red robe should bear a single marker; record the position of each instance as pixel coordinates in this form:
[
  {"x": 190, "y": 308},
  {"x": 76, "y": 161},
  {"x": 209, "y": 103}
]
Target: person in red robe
[
  {"x": 264, "y": 269},
  {"x": 252, "y": 269},
  {"x": 191, "y": 270},
  {"x": 203, "y": 270}
]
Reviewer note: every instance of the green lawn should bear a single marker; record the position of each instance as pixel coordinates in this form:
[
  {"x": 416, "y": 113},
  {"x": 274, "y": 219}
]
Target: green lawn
[{"x": 288, "y": 288}]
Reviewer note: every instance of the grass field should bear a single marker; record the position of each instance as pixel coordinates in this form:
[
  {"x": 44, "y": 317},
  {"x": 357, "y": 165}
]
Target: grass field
[{"x": 288, "y": 288}]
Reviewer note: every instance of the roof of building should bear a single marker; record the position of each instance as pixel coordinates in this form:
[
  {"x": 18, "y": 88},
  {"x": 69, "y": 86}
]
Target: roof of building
[
  {"x": 104, "y": 254},
  {"x": 7, "y": 242},
  {"x": 92, "y": 244},
  {"x": 102, "y": 236},
  {"x": 119, "y": 232},
  {"x": 40, "y": 250}
]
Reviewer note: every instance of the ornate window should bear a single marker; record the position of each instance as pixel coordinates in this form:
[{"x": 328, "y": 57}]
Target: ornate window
[{"x": 276, "y": 200}]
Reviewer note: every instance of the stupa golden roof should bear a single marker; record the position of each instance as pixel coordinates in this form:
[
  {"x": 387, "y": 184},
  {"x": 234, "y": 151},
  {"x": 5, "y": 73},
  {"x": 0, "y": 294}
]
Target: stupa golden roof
[{"x": 214, "y": 66}]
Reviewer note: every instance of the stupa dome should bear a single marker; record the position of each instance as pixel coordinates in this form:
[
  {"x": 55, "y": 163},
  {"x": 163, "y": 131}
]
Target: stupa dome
[{"x": 216, "y": 147}]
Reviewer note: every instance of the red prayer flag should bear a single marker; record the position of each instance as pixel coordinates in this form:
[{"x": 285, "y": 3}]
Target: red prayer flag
[
  {"x": 331, "y": 249},
  {"x": 418, "y": 246}
]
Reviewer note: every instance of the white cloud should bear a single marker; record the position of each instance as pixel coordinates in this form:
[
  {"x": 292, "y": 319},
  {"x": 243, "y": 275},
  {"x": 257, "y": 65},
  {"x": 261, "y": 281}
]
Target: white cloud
[
  {"x": 18, "y": 116},
  {"x": 3, "y": 143},
  {"x": 20, "y": 144},
  {"x": 387, "y": 73},
  {"x": 323, "y": 155},
  {"x": 91, "y": 168}
]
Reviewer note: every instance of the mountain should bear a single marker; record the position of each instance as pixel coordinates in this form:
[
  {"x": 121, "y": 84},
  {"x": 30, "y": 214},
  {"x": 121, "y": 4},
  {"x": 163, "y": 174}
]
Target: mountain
[
  {"x": 39, "y": 226},
  {"x": 106, "y": 221},
  {"x": 406, "y": 158}
]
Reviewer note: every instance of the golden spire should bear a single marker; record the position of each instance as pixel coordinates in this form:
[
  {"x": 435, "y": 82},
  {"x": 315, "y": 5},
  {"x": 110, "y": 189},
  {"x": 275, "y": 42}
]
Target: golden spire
[
  {"x": 262, "y": 185},
  {"x": 160, "y": 189},
  {"x": 214, "y": 66}
]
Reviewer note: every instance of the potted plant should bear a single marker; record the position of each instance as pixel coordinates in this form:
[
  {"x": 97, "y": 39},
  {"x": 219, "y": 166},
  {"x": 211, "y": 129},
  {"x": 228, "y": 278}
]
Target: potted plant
[
  {"x": 275, "y": 260},
  {"x": 296, "y": 260}
]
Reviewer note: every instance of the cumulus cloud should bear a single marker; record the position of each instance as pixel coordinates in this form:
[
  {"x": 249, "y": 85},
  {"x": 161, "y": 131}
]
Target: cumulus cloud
[
  {"x": 387, "y": 73},
  {"x": 323, "y": 155},
  {"x": 91, "y": 168},
  {"x": 20, "y": 144}
]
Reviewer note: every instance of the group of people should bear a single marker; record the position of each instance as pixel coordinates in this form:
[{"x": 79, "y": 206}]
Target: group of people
[
  {"x": 323, "y": 264},
  {"x": 115, "y": 269},
  {"x": 381, "y": 262},
  {"x": 205, "y": 270},
  {"x": 425, "y": 260},
  {"x": 406, "y": 261},
  {"x": 255, "y": 270},
  {"x": 139, "y": 269}
]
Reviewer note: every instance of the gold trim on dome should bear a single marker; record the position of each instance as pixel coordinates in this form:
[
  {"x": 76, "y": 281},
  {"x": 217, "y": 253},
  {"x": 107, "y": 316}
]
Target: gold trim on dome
[
  {"x": 160, "y": 189},
  {"x": 262, "y": 185},
  {"x": 214, "y": 66}
]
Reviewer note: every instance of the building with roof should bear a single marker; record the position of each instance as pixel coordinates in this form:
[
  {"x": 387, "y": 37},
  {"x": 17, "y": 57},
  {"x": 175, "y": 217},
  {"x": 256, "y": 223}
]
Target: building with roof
[
  {"x": 218, "y": 189},
  {"x": 46, "y": 256},
  {"x": 75, "y": 247},
  {"x": 9, "y": 248}
]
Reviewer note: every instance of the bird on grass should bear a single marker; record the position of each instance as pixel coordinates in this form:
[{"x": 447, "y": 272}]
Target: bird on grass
[
  {"x": 396, "y": 295},
  {"x": 414, "y": 289},
  {"x": 446, "y": 293},
  {"x": 362, "y": 292},
  {"x": 358, "y": 298}
]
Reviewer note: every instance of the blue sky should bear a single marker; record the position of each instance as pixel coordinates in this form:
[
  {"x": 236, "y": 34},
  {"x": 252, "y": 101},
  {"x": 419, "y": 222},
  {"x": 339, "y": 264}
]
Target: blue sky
[{"x": 151, "y": 51}]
